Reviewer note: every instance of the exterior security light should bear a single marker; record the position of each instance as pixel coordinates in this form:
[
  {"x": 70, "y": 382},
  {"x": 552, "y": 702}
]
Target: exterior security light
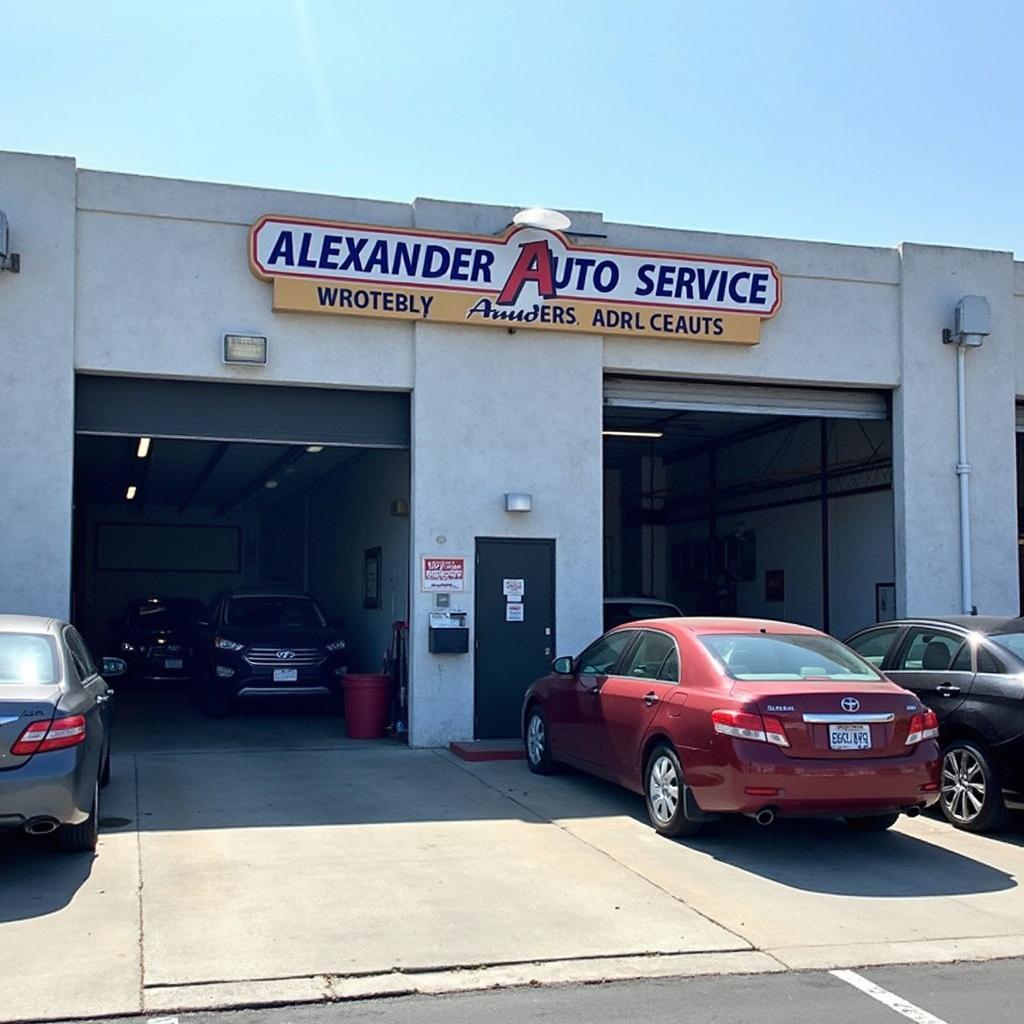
[
  {"x": 539, "y": 217},
  {"x": 245, "y": 348},
  {"x": 972, "y": 322},
  {"x": 518, "y": 502}
]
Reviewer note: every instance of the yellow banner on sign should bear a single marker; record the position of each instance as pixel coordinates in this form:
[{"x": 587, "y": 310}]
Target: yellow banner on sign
[{"x": 638, "y": 320}]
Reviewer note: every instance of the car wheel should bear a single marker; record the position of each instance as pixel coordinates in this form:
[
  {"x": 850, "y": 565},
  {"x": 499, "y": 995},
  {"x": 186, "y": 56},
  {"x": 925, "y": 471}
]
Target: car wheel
[
  {"x": 971, "y": 794},
  {"x": 538, "y": 744},
  {"x": 214, "y": 703},
  {"x": 82, "y": 838},
  {"x": 873, "y": 822},
  {"x": 663, "y": 789},
  {"x": 105, "y": 771}
]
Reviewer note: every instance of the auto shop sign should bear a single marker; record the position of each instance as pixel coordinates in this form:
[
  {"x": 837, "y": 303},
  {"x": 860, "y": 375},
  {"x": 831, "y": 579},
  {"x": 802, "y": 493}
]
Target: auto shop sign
[{"x": 525, "y": 277}]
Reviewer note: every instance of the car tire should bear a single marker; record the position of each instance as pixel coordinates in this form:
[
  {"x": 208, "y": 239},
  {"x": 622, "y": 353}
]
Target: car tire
[
  {"x": 971, "y": 792},
  {"x": 214, "y": 704},
  {"x": 664, "y": 794},
  {"x": 873, "y": 822},
  {"x": 538, "y": 743},
  {"x": 82, "y": 838},
  {"x": 105, "y": 771}
]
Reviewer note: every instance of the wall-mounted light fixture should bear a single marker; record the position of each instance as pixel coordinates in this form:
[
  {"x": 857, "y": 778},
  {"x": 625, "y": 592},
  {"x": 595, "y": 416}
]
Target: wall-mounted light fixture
[
  {"x": 245, "y": 348},
  {"x": 518, "y": 502}
]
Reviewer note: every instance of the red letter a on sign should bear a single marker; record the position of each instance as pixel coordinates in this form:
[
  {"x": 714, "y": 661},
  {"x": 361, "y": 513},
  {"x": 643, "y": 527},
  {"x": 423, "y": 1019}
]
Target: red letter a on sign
[{"x": 533, "y": 264}]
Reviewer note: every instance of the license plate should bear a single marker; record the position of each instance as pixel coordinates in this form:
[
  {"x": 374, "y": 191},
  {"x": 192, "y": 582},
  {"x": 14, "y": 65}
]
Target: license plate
[
  {"x": 285, "y": 675},
  {"x": 174, "y": 663},
  {"x": 849, "y": 737}
]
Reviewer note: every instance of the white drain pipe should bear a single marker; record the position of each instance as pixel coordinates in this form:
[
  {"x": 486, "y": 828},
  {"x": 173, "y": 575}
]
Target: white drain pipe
[{"x": 972, "y": 324}]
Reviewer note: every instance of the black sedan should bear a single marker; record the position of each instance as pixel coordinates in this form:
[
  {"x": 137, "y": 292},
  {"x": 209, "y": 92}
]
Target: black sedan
[
  {"x": 159, "y": 637},
  {"x": 54, "y": 730},
  {"x": 970, "y": 671}
]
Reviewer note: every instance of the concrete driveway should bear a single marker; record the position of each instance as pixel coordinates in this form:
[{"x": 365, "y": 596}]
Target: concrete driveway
[{"x": 266, "y": 859}]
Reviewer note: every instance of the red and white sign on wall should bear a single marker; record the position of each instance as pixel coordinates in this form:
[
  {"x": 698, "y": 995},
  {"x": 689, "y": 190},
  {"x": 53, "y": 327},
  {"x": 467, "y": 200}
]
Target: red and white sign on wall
[{"x": 443, "y": 575}]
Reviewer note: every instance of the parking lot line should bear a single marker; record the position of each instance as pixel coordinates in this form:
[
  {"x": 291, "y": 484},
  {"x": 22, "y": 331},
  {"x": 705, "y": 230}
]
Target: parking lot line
[{"x": 890, "y": 999}]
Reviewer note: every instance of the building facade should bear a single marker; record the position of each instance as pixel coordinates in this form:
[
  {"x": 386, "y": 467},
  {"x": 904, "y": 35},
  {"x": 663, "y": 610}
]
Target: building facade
[{"x": 128, "y": 285}]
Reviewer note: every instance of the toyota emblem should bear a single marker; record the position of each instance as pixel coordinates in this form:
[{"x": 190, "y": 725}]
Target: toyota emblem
[
  {"x": 850, "y": 704},
  {"x": 288, "y": 655}
]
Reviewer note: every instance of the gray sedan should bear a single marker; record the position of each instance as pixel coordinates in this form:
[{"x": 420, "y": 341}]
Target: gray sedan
[{"x": 54, "y": 730}]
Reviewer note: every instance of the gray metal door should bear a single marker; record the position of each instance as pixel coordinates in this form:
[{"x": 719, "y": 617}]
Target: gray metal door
[{"x": 515, "y": 639}]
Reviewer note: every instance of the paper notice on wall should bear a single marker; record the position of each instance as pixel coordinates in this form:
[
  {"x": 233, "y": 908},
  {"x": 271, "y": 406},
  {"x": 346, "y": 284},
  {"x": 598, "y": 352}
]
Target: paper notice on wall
[
  {"x": 514, "y": 611},
  {"x": 513, "y": 588}
]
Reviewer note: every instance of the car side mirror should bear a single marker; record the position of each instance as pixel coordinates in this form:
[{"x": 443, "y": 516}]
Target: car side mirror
[
  {"x": 562, "y": 666},
  {"x": 114, "y": 666}
]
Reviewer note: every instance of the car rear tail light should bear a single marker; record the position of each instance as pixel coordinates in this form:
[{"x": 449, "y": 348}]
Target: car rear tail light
[
  {"x": 747, "y": 725},
  {"x": 923, "y": 727},
  {"x": 55, "y": 735}
]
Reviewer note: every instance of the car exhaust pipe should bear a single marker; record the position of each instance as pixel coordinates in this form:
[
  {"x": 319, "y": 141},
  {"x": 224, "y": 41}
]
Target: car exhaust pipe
[
  {"x": 765, "y": 816},
  {"x": 912, "y": 812},
  {"x": 41, "y": 826}
]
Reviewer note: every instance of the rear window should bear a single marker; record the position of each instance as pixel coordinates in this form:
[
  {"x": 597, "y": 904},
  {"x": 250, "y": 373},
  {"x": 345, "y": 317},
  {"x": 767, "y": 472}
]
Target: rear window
[
  {"x": 272, "y": 611},
  {"x": 1012, "y": 642},
  {"x": 25, "y": 658},
  {"x": 787, "y": 656}
]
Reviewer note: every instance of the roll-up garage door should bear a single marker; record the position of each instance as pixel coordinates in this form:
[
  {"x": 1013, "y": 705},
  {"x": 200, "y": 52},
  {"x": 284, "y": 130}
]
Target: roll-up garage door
[
  {"x": 241, "y": 412},
  {"x": 640, "y": 393}
]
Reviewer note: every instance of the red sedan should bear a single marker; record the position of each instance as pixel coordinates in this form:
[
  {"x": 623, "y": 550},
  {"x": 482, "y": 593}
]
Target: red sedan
[{"x": 707, "y": 716}]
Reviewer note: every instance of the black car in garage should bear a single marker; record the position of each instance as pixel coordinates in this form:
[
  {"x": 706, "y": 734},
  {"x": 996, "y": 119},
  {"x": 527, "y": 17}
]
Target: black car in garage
[
  {"x": 970, "y": 671},
  {"x": 262, "y": 643},
  {"x": 159, "y": 637}
]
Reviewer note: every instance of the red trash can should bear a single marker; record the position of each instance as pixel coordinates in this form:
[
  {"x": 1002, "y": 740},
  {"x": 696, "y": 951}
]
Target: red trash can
[{"x": 367, "y": 705}]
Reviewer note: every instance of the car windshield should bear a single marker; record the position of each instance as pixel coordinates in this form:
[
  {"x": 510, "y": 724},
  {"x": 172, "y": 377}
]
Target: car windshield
[
  {"x": 270, "y": 610},
  {"x": 25, "y": 658},
  {"x": 164, "y": 614},
  {"x": 1012, "y": 642},
  {"x": 787, "y": 656}
]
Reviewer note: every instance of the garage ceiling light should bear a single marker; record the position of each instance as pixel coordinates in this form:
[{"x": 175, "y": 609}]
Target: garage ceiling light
[
  {"x": 314, "y": 448},
  {"x": 131, "y": 492},
  {"x": 633, "y": 433},
  {"x": 143, "y": 450},
  {"x": 270, "y": 484},
  {"x": 245, "y": 348}
]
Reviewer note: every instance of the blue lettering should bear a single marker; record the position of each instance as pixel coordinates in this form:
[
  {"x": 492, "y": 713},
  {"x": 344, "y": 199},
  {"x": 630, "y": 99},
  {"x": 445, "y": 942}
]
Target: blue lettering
[
  {"x": 758, "y": 287},
  {"x": 327, "y": 296},
  {"x": 353, "y": 260},
  {"x": 405, "y": 261},
  {"x": 735, "y": 280},
  {"x": 606, "y": 276},
  {"x": 329, "y": 249},
  {"x": 304, "y": 260},
  {"x": 483, "y": 260},
  {"x": 283, "y": 250},
  {"x": 460, "y": 264},
  {"x": 646, "y": 285},
  {"x": 430, "y": 269},
  {"x": 378, "y": 257}
]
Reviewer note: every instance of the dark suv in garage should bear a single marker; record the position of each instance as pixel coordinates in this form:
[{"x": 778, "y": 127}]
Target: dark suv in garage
[{"x": 264, "y": 643}]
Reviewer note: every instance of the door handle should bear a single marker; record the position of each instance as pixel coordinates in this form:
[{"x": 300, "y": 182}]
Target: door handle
[
  {"x": 650, "y": 699},
  {"x": 947, "y": 689}
]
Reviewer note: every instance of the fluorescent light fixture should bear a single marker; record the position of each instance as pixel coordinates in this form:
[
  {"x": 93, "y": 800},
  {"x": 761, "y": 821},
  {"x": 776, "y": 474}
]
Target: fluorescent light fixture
[
  {"x": 271, "y": 484},
  {"x": 633, "y": 433},
  {"x": 245, "y": 348},
  {"x": 539, "y": 217},
  {"x": 143, "y": 450},
  {"x": 314, "y": 448},
  {"x": 131, "y": 492}
]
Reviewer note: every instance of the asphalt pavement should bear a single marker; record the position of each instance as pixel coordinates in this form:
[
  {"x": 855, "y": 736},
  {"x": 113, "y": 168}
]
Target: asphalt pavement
[{"x": 965, "y": 993}]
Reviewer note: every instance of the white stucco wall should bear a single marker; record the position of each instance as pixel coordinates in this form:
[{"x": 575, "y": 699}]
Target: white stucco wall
[
  {"x": 142, "y": 276},
  {"x": 37, "y": 385}
]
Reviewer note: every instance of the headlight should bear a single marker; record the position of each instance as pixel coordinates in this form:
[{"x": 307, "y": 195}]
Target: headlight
[
  {"x": 337, "y": 645},
  {"x": 227, "y": 645},
  {"x": 127, "y": 648}
]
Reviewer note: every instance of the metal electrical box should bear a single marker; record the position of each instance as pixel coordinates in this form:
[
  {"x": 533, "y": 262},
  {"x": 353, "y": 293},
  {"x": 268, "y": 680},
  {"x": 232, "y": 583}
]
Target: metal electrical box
[{"x": 448, "y": 633}]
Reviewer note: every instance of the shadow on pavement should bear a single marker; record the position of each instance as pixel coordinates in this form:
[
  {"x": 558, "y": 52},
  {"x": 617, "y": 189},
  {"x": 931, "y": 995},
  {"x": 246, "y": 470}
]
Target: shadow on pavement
[
  {"x": 825, "y": 856},
  {"x": 35, "y": 878}
]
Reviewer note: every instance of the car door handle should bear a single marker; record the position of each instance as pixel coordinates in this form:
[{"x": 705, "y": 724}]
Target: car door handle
[
  {"x": 650, "y": 699},
  {"x": 947, "y": 689}
]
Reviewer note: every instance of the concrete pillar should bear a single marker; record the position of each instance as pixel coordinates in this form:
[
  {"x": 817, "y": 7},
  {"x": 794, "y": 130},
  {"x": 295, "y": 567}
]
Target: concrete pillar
[
  {"x": 925, "y": 489},
  {"x": 37, "y": 316}
]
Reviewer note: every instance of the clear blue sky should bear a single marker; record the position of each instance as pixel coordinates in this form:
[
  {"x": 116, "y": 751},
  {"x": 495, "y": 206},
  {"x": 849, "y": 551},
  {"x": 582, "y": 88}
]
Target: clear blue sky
[{"x": 872, "y": 122}]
